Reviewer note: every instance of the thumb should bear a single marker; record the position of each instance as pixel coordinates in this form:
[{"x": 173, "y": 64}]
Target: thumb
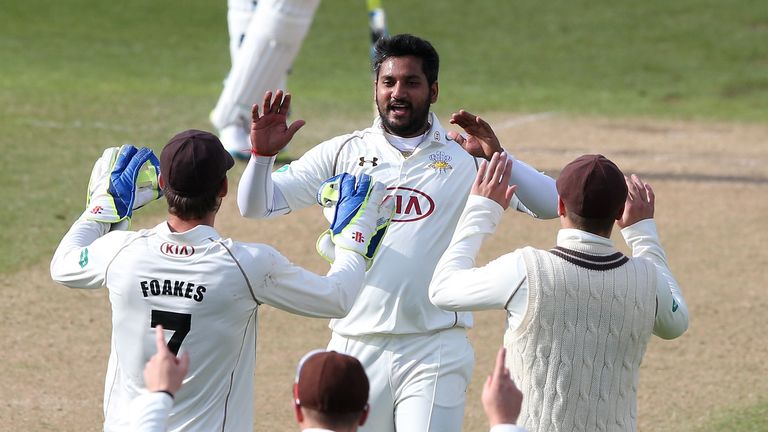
[
  {"x": 184, "y": 363},
  {"x": 294, "y": 127},
  {"x": 457, "y": 137},
  {"x": 510, "y": 191}
]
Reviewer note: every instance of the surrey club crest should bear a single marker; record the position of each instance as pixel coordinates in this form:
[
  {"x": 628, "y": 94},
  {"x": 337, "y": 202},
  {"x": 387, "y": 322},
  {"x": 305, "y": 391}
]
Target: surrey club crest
[{"x": 440, "y": 162}]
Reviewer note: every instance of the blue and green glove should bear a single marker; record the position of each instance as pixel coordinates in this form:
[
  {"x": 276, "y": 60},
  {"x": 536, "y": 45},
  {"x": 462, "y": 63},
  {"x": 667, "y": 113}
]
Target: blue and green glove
[
  {"x": 358, "y": 214},
  {"x": 123, "y": 179}
]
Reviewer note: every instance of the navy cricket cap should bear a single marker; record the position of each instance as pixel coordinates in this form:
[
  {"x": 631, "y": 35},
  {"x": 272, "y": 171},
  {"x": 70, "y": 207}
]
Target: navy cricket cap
[
  {"x": 331, "y": 383},
  {"x": 592, "y": 187},
  {"x": 194, "y": 163}
]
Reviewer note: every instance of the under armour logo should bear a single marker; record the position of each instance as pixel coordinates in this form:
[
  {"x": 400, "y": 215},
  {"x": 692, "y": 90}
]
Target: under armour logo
[
  {"x": 373, "y": 161},
  {"x": 96, "y": 210},
  {"x": 357, "y": 236}
]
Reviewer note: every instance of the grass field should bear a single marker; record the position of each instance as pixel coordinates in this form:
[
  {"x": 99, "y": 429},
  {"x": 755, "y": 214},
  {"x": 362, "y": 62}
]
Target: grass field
[{"x": 80, "y": 75}]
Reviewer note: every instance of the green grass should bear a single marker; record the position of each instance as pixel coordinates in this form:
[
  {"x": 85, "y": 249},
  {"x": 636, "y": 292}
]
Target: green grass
[
  {"x": 750, "y": 419},
  {"x": 80, "y": 75}
]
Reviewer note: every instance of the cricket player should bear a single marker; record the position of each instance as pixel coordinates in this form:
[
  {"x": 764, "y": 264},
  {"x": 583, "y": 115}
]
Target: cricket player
[
  {"x": 417, "y": 356},
  {"x": 579, "y": 315},
  {"x": 265, "y": 37},
  {"x": 203, "y": 289}
]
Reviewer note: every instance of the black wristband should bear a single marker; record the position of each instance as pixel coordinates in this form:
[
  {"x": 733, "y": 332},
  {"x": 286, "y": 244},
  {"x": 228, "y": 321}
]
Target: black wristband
[{"x": 166, "y": 392}]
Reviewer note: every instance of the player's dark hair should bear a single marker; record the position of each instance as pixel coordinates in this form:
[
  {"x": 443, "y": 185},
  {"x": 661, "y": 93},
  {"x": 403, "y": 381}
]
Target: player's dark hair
[
  {"x": 599, "y": 226},
  {"x": 407, "y": 45},
  {"x": 190, "y": 208}
]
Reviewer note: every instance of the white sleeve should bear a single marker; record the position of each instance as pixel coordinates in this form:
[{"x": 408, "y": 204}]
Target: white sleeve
[
  {"x": 149, "y": 412},
  {"x": 457, "y": 285},
  {"x": 293, "y": 289},
  {"x": 536, "y": 192},
  {"x": 671, "y": 309},
  {"x": 257, "y": 196},
  {"x": 263, "y": 193},
  {"x": 83, "y": 255},
  {"x": 507, "y": 428}
]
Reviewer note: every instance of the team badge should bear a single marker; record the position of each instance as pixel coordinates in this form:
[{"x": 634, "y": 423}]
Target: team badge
[
  {"x": 440, "y": 162},
  {"x": 437, "y": 136}
]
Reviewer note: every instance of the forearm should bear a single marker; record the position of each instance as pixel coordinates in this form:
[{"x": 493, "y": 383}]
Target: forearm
[
  {"x": 671, "y": 310},
  {"x": 535, "y": 191},
  {"x": 299, "y": 291},
  {"x": 456, "y": 283},
  {"x": 257, "y": 196},
  {"x": 68, "y": 261}
]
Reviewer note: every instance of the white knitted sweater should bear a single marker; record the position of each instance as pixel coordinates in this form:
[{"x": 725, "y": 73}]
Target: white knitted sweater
[{"x": 577, "y": 353}]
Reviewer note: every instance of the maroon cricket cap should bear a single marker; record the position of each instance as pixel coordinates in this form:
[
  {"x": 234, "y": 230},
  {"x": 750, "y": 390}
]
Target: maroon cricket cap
[
  {"x": 194, "y": 162},
  {"x": 592, "y": 187},
  {"x": 329, "y": 382}
]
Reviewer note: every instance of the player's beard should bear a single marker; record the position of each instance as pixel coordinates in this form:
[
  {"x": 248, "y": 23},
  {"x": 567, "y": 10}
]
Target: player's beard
[{"x": 413, "y": 123}]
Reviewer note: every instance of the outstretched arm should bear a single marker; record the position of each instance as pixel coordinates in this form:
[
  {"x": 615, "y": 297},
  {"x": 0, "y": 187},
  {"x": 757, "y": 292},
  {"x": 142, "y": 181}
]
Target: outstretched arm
[{"x": 536, "y": 193}]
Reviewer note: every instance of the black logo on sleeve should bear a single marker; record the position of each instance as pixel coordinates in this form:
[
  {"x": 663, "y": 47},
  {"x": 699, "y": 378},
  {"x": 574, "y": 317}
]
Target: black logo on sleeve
[{"x": 167, "y": 287}]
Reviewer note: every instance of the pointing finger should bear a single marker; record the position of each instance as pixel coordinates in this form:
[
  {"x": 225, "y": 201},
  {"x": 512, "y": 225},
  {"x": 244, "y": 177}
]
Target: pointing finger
[{"x": 160, "y": 339}]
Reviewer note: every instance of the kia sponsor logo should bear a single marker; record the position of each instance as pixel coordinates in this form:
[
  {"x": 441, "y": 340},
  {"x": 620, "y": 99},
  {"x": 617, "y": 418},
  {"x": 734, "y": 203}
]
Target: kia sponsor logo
[
  {"x": 177, "y": 251},
  {"x": 411, "y": 205}
]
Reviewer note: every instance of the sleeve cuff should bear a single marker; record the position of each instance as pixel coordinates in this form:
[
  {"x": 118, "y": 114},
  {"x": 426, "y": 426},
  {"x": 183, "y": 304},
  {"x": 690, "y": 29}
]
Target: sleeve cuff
[
  {"x": 507, "y": 428},
  {"x": 643, "y": 228}
]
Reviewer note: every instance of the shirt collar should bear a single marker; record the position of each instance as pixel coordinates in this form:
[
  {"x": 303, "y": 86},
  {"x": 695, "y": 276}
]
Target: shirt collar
[
  {"x": 566, "y": 235},
  {"x": 196, "y": 235}
]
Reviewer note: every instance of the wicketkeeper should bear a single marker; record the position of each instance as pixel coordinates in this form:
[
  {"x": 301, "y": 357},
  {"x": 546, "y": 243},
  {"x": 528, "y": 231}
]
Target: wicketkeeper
[{"x": 203, "y": 289}]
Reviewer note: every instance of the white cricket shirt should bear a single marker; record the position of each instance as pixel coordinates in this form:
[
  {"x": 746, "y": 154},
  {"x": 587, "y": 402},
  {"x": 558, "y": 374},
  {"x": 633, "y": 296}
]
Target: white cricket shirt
[
  {"x": 429, "y": 187},
  {"x": 205, "y": 291}
]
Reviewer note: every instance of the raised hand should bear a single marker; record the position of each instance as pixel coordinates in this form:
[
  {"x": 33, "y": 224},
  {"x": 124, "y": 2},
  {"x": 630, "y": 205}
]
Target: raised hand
[
  {"x": 640, "y": 204},
  {"x": 164, "y": 371},
  {"x": 501, "y": 398},
  {"x": 481, "y": 140},
  {"x": 492, "y": 180},
  {"x": 270, "y": 132}
]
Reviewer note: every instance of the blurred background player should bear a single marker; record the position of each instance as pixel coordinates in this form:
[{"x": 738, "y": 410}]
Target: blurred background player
[{"x": 264, "y": 38}]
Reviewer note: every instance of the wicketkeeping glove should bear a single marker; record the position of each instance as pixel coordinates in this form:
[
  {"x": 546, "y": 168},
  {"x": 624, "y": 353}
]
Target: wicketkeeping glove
[
  {"x": 358, "y": 214},
  {"x": 123, "y": 179}
]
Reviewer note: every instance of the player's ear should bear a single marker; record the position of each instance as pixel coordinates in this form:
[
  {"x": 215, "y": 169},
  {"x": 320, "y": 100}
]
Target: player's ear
[
  {"x": 620, "y": 214},
  {"x": 364, "y": 416},
  {"x": 560, "y": 206},
  {"x": 296, "y": 406},
  {"x": 161, "y": 181},
  {"x": 224, "y": 189},
  {"x": 433, "y": 91}
]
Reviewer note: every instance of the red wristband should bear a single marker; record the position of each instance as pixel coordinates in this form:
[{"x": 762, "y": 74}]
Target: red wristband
[{"x": 255, "y": 153}]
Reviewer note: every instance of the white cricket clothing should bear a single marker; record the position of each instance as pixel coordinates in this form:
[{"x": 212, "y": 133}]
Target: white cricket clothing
[
  {"x": 430, "y": 188},
  {"x": 205, "y": 290},
  {"x": 575, "y": 347},
  {"x": 503, "y": 282},
  {"x": 275, "y": 33},
  {"x": 423, "y": 376},
  {"x": 393, "y": 318},
  {"x": 149, "y": 412},
  {"x": 507, "y": 428}
]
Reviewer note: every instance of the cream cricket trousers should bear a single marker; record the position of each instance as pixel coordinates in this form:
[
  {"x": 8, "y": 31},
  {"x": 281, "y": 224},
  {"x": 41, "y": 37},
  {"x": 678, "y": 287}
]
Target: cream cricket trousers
[{"x": 418, "y": 381}]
